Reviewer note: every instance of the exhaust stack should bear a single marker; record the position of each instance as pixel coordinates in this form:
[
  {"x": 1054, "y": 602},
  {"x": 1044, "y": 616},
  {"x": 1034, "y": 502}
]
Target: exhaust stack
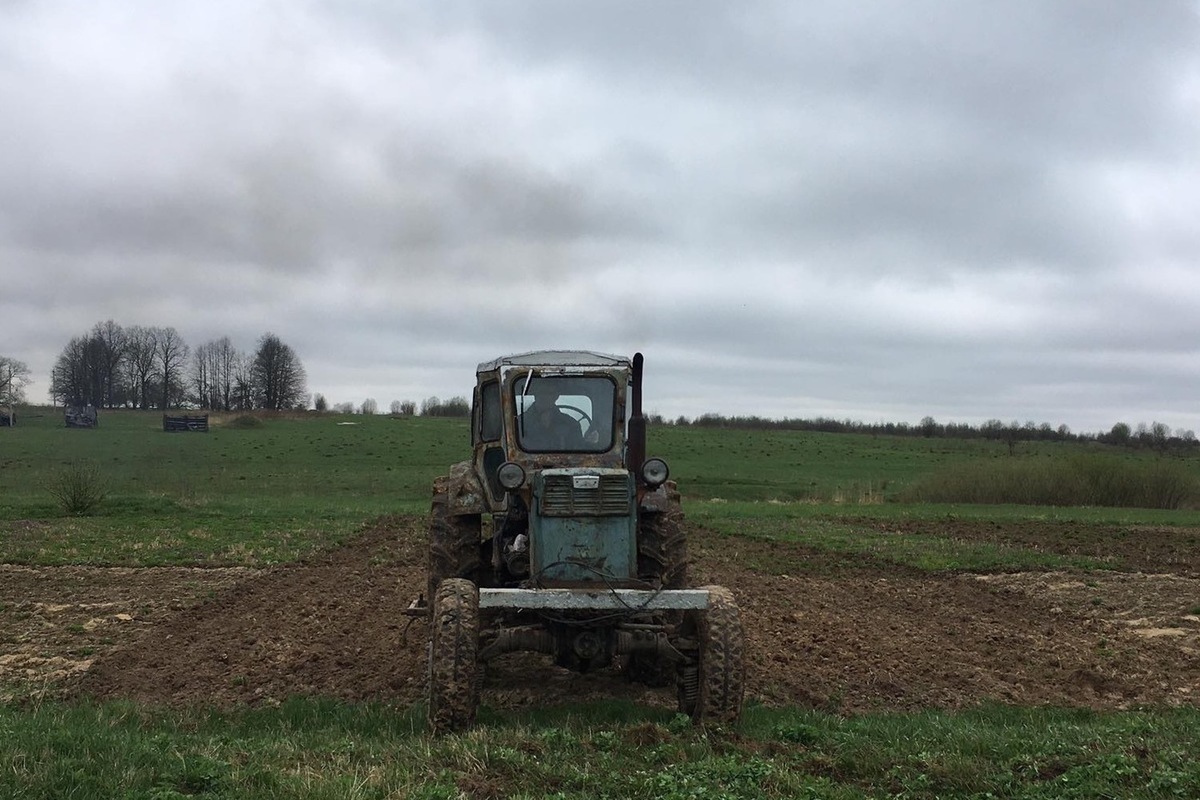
[{"x": 635, "y": 451}]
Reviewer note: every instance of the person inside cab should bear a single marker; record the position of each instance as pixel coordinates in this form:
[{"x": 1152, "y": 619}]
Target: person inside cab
[{"x": 544, "y": 426}]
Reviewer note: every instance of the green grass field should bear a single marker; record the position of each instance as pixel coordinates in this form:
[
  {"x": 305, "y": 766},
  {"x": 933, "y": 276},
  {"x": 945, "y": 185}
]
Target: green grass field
[{"x": 263, "y": 494}]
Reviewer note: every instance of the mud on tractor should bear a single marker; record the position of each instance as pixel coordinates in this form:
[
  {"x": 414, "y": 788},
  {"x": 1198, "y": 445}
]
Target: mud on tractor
[{"x": 560, "y": 536}]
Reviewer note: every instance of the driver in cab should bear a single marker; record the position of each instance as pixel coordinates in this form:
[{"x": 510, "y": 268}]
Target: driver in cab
[{"x": 544, "y": 426}]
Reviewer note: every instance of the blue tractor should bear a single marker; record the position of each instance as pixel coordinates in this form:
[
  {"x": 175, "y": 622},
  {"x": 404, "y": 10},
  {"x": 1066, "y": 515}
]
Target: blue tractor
[{"x": 560, "y": 536}]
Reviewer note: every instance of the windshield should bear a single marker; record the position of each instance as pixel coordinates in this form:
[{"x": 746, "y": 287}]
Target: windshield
[{"x": 564, "y": 414}]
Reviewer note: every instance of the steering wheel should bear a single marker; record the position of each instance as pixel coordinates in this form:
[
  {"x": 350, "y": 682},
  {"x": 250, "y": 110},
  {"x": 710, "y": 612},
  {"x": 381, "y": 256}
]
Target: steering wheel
[
  {"x": 590, "y": 435},
  {"x": 583, "y": 415}
]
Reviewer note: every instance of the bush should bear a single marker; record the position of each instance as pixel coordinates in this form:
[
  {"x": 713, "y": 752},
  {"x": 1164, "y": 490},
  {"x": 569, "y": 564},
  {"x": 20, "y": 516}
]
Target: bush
[
  {"x": 1084, "y": 481},
  {"x": 79, "y": 489}
]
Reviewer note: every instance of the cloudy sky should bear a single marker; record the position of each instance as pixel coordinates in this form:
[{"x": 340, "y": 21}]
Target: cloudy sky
[{"x": 864, "y": 210}]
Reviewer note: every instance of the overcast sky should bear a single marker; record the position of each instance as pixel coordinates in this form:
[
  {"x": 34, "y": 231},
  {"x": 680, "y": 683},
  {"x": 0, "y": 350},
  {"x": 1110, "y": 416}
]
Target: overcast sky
[{"x": 866, "y": 210}]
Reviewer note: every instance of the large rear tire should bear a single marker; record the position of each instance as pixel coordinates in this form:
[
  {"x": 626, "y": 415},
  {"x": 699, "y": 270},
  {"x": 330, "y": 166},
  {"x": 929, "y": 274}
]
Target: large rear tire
[
  {"x": 453, "y": 655},
  {"x": 454, "y": 541},
  {"x": 662, "y": 544},
  {"x": 712, "y": 689}
]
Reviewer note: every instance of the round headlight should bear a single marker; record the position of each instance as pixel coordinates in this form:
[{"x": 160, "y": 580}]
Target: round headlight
[
  {"x": 655, "y": 472},
  {"x": 511, "y": 475}
]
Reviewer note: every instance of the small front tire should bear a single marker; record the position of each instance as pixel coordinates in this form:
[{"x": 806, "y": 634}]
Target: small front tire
[
  {"x": 712, "y": 689},
  {"x": 453, "y": 656}
]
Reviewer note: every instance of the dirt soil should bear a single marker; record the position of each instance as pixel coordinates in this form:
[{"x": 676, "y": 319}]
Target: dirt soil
[{"x": 830, "y": 632}]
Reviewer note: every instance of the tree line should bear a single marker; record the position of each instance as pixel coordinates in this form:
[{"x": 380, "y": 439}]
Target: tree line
[
  {"x": 430, "y": 407},
  {"x": 1156, "y": 435},
  {"x": 140, "y": 367},
  {"x": 112, "y": 366}
]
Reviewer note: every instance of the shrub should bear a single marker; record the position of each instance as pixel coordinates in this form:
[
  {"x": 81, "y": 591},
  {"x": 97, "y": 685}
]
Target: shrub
[
  {"x": 1084, "y": 481},
  {"x": 78, "y": 488}
]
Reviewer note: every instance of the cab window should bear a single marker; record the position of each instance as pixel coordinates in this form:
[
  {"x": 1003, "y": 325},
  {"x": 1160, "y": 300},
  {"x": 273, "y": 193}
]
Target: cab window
[
  {"x": 490, "y": 416},
  {"x": 564, "y": 414}
]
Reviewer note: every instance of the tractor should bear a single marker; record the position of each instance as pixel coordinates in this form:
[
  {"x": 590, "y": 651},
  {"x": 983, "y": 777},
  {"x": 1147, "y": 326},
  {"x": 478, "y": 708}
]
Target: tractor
[{"x": 559, "y": 536}]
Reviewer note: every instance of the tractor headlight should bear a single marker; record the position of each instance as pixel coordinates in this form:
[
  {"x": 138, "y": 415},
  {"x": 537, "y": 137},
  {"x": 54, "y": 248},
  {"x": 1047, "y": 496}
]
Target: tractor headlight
[
  {"x": 510, "y": 475},
  {"x": 655, "y": 472}
]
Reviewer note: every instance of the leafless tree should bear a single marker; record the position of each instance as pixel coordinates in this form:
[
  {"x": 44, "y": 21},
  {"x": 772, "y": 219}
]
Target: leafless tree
[
  {"x": 277, "y": 375},
  {"x": 243, "y": 384},
  {"x": 171, "y": 354},
  {"x": 370, "y": 407},
  {"x": 109, "y": 344},
  {"x": 86, "y": 371},
  {"x": 226, "y": 361},
  {"x": 14, "y": 377},
  {"x": 72, "y": 378},
  {"x": 141, "y": 345},
  {"x": 201, "y": 377},
  {"x": 214, "y": 370},
  {"x": 431, "y": 406}
]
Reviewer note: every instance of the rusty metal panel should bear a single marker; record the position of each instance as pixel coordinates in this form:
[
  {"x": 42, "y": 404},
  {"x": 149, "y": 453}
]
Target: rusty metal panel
[
  {"x": 586, "y": 492},
  {"x": 575, "y": 537}
]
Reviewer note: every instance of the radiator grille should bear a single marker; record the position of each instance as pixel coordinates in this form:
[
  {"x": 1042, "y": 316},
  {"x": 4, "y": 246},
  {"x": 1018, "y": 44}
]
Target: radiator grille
[{"x": 560, "y": 498}]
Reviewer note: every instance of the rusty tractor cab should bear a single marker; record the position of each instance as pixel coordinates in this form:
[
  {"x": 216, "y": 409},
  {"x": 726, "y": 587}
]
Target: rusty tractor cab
[{"x": 560, "y": 536}]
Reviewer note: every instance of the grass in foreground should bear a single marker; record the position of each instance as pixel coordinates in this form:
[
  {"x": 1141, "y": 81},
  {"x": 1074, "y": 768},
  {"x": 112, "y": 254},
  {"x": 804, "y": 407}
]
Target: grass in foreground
[{"x": 321, "y": 749}]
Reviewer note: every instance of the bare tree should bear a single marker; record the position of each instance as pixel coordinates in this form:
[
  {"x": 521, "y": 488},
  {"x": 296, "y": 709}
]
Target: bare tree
[
  {"x": 14, "y": 377},
  {"x": 214, "y": 372},
  {"x": 370, "y": 407},
  {"x": 226, "y": 361},
  {"x": 243, "y": 384},
  {"x": 201, "y": 377},
  {"x": 109, "y": 344},
  {"x": 87, "y": 370},
  {"x": 171, "y": 354},
  {"x": 277, "y": 375},
  {"x": 431, "y": 406},
  {"x": 72, "y": 377},
  {"x": 141, "y": 345}
]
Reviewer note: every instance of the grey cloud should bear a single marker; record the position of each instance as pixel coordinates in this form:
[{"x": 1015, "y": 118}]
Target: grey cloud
[{"x": 877, "y": 210}]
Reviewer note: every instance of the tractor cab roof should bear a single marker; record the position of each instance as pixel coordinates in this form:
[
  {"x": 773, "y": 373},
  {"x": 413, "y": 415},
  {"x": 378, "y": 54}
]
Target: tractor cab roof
[{"x": 555, "y": 358}]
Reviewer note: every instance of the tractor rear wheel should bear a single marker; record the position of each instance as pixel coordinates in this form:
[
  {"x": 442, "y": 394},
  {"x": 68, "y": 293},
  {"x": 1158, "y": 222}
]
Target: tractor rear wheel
[
  {"x": 453, "y": 655},
  {"x": 712, "y": 689},
  {"x": 662, "y": 544},
  {"x": 454, "y": 541}
]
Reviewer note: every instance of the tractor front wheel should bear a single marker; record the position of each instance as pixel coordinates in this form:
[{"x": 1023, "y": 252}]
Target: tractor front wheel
[
  {"x": 453, "y": 654},
  {"x": 711, "y": 689}
]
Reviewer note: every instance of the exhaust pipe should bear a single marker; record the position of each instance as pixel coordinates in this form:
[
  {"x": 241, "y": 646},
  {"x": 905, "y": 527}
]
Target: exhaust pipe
[{"x": 635, "y": 450}]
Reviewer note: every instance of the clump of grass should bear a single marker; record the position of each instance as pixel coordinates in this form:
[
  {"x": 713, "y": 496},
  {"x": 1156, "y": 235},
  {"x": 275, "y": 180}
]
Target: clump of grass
[
  {"x": 79, "y": 489},
  {"x": 1082, "y": 481}
]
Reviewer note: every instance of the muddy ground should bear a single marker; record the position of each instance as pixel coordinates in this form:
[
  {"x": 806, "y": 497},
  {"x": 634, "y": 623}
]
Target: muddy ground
[{"x": 837, "y": 633}]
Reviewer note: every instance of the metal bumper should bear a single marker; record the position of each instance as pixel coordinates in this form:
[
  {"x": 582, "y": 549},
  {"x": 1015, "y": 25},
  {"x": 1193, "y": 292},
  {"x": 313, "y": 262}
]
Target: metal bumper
[{"x": 595, "y": 599}]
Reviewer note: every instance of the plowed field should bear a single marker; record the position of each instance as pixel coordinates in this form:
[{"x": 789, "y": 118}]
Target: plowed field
[{"x": 835, "y": 633}]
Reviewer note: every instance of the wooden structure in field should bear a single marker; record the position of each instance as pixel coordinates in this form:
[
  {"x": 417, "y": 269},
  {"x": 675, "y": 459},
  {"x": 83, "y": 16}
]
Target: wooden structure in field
[
  {"x": 81, "y": 417},
  {"x": 178, "y": 423}
]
